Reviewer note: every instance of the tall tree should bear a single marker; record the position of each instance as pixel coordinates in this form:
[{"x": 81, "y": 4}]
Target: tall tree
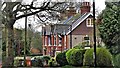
[
  {"x": 13, "y": 11},
  {"x": 110, "y": 26}
]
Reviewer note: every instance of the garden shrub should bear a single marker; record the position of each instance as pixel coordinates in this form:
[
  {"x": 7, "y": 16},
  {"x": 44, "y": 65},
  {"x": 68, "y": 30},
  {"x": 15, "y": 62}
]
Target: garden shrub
[
  {"x": 88, "y": 58},
  {"x": 75, "y": 57},
  {"x": 52, "y": 62},
  {"x": 16, "y": 62},
  {"x": 61, "y": 59},
  {"x": 103, "y": 59},
  {"x": 117, "y": 61},
  {"x": 38, "y": 61},
  {"x": 68, "y": 55},
  {"x": 46, "y": 58}
]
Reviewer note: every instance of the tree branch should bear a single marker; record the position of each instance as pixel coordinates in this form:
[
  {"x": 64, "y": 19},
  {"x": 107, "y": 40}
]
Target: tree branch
[{"x": 21, "y": 16}]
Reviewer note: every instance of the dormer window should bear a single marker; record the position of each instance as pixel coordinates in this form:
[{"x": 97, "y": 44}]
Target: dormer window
[{"x": 89, "y": 22}]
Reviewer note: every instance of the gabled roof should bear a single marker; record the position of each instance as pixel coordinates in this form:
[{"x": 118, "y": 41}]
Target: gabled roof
[
  {"x": 73, "y": 19},
  {"x": 56, "y": 29},
  {"x": 61, "y": 29},
  {"x": 68, "y": 19},
  {"x": 79, "y": 21},
  {"x": 64, "y": 28}
]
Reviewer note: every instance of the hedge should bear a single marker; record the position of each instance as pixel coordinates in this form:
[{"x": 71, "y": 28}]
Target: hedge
[
  {"x": 68, "y": 55},
  {"x": 38, "y": 61},
  {"x": 52, "y": 62},
  {"x": 103, "y": 59},
  {"x": 75, "y": 57},
  {"x": 61, "y": 59}
]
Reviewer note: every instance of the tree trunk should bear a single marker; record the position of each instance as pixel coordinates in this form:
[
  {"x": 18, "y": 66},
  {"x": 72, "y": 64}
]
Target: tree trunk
[{"x": 9, "y": 47}]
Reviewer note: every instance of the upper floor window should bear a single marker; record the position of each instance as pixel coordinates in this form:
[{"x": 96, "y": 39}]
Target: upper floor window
[
  {"x": 60, "y": 40},
  {"x": 49, "y": 40},
  {"x": 55, "y": 40},
  {"x": 89, "y": 22},
  {"x": 45, "y": 41}
]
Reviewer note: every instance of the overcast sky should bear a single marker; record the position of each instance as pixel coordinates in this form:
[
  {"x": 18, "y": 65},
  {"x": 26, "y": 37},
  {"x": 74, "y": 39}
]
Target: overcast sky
[{"x": 99, "y": 5}]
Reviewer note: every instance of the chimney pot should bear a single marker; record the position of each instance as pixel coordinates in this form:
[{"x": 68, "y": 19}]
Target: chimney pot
[{"x": 85, "y": 7}]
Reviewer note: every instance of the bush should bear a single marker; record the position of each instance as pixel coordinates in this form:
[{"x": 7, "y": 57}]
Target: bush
[
  {"x": 61, "y": 59},
  {"x": 16, "y": 62},
  {"x": 46, "y": 57},
  {"x": 117, "y": 61},
  {"x": 75, "y": 57},
  {"x": 52, "y": 62},
  {"x": 104, "y": 58},
  {"x": 38, "y": 61},
  {"x": 88, "y": 58},
  {"x": 68, "y": 55}
]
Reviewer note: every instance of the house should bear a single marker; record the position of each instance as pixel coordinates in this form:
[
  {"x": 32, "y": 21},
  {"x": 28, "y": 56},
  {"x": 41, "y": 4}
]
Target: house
[
  {"x": 78, "y": 28},
  {"x": 82, "y": 28},
  {"x": 54, "y": 38}
]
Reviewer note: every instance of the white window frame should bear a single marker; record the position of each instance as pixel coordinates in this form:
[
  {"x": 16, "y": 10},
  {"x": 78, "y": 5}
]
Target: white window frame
[
  {"x": 65, "y": 40},
  {"x": 87, "y": 40},
  {"x": 55, "y": 40},
  {"x": 90, "y": 23},
  {"x": 45, "y": 41},
  {"x": 60, "y": 40},
  {"x": 49, "y": 41}
]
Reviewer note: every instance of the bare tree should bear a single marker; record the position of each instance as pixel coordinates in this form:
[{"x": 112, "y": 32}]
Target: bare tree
[{"x": 13, "y": 11}]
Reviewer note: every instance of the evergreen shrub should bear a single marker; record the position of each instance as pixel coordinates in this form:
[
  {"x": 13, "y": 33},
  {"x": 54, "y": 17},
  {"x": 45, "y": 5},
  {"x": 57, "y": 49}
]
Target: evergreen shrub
[
  {"x": 61, "y": 58},
  {"x": 75, "y": 57},
  {"x": 103, "y": 57}
]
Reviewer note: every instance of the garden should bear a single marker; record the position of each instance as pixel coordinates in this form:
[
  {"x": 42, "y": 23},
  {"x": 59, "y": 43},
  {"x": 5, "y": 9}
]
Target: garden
[{"x": 76, "y": 57}]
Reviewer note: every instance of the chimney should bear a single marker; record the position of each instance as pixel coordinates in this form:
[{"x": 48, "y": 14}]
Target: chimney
[{"x": 85, "y": 7}]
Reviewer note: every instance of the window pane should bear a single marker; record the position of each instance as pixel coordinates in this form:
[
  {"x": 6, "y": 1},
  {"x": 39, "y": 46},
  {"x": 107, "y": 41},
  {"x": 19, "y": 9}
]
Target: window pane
[
  {"x": 91, "y": 21},
  {"x": 88, "y": 22}
]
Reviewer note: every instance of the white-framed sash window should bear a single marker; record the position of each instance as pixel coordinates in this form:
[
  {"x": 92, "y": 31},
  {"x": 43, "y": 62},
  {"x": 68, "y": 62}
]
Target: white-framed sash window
[{"x": 89, "y": 22}]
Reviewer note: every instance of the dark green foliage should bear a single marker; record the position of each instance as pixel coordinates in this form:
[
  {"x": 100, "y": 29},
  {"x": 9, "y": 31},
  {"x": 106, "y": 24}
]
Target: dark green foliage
[
  {"x": 16, "y": 62},
  {"x": 117, "y": 61},
  {"x": 52, "y": 62},
  {"x": 61, "y": 59},
  {"x": 46, "y": 57},
  {"x": 68, "y": 55},
  {"x": 88, "y": 58},
  {"x": 38, "y": 62},
  {"x": 75, "y": 57},
  {"x": 110, "y": 27},
  {"x": 104, "y": 57}
]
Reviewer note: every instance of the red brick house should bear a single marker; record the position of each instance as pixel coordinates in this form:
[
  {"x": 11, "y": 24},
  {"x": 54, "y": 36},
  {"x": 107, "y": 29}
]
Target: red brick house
[
  {"x": 81, "y": 28},
  {"x": 54, "y": 38},
  {"x": 74, "y": 30}
]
